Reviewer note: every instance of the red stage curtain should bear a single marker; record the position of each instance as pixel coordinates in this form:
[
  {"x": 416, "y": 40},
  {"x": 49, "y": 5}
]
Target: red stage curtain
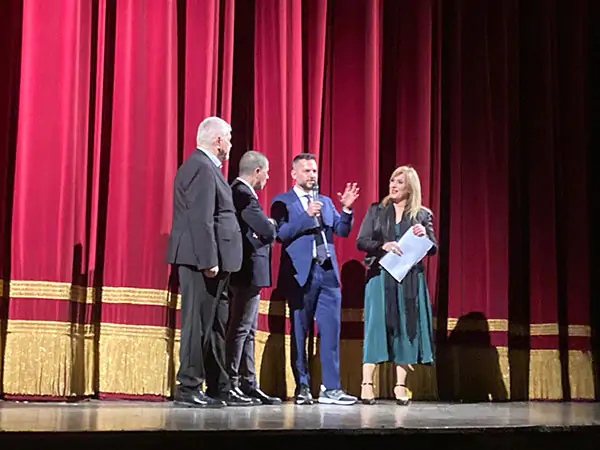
[
  {"x": 486, "y": 99},
  {"x": 47, "y": 347}
]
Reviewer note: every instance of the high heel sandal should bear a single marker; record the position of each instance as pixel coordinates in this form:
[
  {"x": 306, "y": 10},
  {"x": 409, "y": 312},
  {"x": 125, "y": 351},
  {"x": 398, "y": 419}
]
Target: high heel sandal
[
  {"x": 404, "y": 400},
  {"x": 367, "y": 401}
]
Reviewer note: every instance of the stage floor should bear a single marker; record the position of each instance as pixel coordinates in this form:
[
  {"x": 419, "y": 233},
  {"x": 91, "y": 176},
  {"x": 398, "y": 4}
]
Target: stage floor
[{"x": 385, "y": 417}]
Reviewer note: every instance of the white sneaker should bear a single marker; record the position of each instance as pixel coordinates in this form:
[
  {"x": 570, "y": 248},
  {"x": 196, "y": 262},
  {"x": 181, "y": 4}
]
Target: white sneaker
[{"x": 335, "y": 397}]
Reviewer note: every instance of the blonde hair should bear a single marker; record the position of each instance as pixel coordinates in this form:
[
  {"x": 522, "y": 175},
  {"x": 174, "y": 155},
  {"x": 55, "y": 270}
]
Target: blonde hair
[{"x": 411, "y": 178}]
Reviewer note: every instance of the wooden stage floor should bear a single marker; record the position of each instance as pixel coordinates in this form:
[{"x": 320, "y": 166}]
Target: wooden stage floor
[{"x": 154, "y": 425}]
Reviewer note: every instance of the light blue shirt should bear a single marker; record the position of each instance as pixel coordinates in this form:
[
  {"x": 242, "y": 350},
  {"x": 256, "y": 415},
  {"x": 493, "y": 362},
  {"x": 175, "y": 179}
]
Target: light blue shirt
[{"x": 212, "y": 157}]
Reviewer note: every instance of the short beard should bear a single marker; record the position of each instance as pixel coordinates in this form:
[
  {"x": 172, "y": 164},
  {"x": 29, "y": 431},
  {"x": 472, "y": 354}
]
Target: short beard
[{"x": 305, "y": 186}]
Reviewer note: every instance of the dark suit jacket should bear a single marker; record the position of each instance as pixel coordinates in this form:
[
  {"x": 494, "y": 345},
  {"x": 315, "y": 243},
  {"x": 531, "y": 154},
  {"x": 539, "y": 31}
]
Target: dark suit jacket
[
  {"x": 296, "y": 231},
  {"x": 205, "y": 231},
  {"x": 258, "y": 233},
  {"x": 378, "y": 227}
]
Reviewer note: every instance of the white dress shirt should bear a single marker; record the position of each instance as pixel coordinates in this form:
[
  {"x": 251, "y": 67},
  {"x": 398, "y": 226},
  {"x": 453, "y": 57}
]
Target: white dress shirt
[
  {"x": 249, "y": 186},
  {"x": 305, "y": 198}
]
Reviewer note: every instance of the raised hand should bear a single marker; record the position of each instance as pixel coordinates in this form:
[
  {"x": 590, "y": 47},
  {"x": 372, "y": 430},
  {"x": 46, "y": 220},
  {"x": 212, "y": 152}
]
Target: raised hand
[{"x": 349, "y": 196}]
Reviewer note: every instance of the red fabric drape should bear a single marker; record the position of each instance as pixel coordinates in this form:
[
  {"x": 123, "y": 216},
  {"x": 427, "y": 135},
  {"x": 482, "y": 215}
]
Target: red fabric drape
[
  {"x": 10, "y": 55},
  {"x": 486, "y": 99},
  {"x": 208, "y": 64},
  {"x": 49, "y": 230},
  {"x": 410, "y": 109},
  {"x": 141, "y": 167},
  {"x": 278, "y": 109}
]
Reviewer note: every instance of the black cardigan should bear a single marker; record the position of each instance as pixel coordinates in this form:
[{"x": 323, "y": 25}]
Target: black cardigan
[{"x": 378, "y": 227}]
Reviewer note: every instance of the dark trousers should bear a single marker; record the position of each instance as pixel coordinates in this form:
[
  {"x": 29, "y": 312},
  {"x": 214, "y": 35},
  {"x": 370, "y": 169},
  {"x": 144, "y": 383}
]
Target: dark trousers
[
  {"x": 204, "y": 315},
  {"x": 320, "y": 299},
  {"x": 243, "y": 322}
]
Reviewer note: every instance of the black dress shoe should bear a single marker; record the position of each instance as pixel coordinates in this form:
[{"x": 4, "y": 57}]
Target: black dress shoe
[
  {"x": 196, "y": 399},
  {"x": 255, "y": 401},
  {"x": 232, "y": 398},
  {"x": 265, "y": 399}
]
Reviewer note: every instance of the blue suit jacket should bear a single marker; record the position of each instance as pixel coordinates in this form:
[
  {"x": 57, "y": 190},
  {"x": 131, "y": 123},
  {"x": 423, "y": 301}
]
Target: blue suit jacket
[{"x": 296, "y": 231}]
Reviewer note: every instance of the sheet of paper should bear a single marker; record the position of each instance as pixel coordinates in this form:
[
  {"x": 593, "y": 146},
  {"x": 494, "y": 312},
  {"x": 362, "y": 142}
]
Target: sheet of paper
[{"x": 414, "y": 248}]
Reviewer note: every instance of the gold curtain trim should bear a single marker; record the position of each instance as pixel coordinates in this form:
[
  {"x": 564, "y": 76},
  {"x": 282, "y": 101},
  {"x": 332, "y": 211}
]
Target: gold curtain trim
[
  {"x": 140, "y": 296},
  {"x": 112, "y": 329},
  {"x": 161, "y": 297},
  {"x": 139, "y": 360},
  {"x": 52, "y": 328},
  {"x": 82, "y": 294},
  {"x": 48, "y": 358},
  {"x": 273, "y": 360},
  {"x": 491, "y": 324},
  {"x": 535, "y": 329},
  {"x": 48, "y": 289}
]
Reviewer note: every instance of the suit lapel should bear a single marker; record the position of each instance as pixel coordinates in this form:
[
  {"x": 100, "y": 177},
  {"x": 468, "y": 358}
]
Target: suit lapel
[
  {"x": 220, "y": 176},
  {"x": 296, "y": 202},
  {"x": 235, "y": 184},
  {"x": 245, "y": 187}
]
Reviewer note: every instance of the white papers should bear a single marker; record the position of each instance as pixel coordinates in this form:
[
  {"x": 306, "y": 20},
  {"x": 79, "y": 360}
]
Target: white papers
[{"x": 413, "y": 247}]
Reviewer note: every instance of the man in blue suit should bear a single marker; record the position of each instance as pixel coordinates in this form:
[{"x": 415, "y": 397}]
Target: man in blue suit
[{"x": 309, "y": 274}]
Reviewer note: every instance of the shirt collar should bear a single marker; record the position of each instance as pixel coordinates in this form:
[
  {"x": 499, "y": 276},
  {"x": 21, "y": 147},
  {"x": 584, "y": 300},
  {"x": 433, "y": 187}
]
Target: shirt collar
[
  {"x": 217, "y": 162},
  {"x": 300, "y": 193},
  {"x": 249, "y": 186}
]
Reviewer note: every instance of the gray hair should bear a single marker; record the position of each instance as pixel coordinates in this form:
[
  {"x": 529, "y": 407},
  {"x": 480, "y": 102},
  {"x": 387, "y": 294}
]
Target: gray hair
[
  {"x": 210, "y": 129},
  {"x": 251, "y": 160}
]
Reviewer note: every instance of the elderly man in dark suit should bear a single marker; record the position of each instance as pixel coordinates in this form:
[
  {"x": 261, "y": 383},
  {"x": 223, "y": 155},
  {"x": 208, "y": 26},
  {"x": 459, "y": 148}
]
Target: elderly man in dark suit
[
  {"x": 206, "y": 246},
  {"x": 258, "y": 233}
]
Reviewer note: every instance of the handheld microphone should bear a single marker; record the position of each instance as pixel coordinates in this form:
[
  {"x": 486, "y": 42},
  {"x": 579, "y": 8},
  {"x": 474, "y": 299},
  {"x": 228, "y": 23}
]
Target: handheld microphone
[
  {"x": 315, "y": 195},
  {"x": 315, "y": 191}
]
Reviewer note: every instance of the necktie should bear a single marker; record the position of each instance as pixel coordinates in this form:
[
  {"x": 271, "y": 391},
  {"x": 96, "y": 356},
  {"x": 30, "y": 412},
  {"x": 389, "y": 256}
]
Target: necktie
[{"x": 319, "y": 240}]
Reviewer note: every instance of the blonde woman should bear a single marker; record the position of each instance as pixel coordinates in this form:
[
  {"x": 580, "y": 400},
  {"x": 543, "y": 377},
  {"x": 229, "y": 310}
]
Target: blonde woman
[{"x": 398, "y": 325}]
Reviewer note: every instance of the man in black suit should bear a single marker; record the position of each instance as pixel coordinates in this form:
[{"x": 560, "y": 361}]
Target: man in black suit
[
  {"x": 258, "y": 233},
  {"x": 206, "y": 245}
]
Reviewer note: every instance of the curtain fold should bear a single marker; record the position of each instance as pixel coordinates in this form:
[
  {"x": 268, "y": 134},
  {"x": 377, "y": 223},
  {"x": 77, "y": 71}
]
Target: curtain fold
[
  {"x": 278, "y": 126},
  {"x": 48, "y": 312},
  {"x": 353, "y": 65},
  {"x": 407, "y": 135},
  {"x": 11, "y": 19}
]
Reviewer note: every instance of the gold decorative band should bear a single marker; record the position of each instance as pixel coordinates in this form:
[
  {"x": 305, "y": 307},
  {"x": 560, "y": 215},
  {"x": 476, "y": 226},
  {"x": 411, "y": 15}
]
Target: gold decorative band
[
  {"x": 141, "y": 296},
  {"x": 112, "y": 329},
  {"x": 82, "y": 294},
  {"x": 535, "y": 329},
  {"x": 142, "y": 360},
  {"x": 162, "y": 297},
  {"x": 52, "y": 290}
]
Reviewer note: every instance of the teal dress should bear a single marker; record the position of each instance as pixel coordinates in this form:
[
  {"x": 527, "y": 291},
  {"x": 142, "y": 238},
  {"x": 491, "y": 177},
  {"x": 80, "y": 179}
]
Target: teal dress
[{"x": 412, "y": 342}]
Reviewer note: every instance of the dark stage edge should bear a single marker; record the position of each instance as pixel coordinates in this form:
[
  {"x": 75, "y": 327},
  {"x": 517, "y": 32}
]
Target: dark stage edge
[{"x": 146, "y": 425}]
